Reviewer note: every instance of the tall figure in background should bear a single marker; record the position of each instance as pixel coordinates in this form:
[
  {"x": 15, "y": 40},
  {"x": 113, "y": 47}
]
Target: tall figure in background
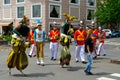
[{"x": 67, "y": 26}]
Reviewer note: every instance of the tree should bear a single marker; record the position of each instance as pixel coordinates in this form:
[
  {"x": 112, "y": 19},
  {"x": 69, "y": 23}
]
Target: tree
[{"x": 108, "y": 12}]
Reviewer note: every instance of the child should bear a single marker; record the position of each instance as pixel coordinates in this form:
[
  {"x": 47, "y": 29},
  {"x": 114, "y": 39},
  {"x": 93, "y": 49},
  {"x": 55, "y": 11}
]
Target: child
[{"x": 39, "y": 38}]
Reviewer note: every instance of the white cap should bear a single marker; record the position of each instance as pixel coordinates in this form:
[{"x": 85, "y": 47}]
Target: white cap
[{"x": 100, "y": 28}]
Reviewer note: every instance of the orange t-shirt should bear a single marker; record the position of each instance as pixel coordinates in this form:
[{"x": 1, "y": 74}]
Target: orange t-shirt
[
  {"x": 54, "y": 35},
  {"x": 80, "y": 36}
]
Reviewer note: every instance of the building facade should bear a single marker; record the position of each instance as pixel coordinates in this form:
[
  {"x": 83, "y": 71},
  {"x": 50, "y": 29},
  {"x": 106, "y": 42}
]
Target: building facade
[{"x": 47, "y": 11}]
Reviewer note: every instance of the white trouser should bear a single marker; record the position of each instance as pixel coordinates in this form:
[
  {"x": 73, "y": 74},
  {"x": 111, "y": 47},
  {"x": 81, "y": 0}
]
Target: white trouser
[
  {"x": 54, "y": 49},
  {"x": 32, "y": 49},
  {"x": 101, "y": 49},
  {"x": 80, "y": 52}
]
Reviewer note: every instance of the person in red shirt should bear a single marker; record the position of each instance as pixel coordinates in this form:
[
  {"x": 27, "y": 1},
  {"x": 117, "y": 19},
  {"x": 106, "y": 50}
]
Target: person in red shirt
[
  {"x": 31, "y": 39},
  {"x": 94, "y": 38},
  {"x": 101, "y": 38},
  {"x": 54, "y": 35},
  {"x": 79, "y": 38}
]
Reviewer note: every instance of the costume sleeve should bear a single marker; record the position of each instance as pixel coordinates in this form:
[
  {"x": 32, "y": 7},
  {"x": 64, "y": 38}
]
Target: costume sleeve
[
  {"x": 63, "y": 25},
  {"x": 35, "y": 35},
  {"x": 16, "y": 31},
  {"x": 75, "y": 35}
]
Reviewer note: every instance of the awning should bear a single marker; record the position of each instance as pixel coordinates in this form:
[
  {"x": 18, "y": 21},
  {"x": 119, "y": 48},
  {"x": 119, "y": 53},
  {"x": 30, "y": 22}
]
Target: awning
[{"x": 4, "y": 23}]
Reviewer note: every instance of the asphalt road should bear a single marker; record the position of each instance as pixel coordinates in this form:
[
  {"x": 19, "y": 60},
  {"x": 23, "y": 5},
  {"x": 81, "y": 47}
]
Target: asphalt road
[{"x": 102, "y": 68}]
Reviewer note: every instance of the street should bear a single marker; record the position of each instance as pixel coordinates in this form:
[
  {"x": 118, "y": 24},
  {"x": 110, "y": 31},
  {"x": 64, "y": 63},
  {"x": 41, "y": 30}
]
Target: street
[{"x": 101, "y": 68}]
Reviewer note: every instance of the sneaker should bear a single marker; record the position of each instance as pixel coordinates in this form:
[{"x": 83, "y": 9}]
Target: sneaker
[
  {"x": 51, "y": 58},
  {"x": 90, "y": 73},
  {"x": 104, "y": 54},
  {"x": 42, "y": 63},
  {"x": 30, "y": 56},
  {"x": 94, "y": 57},
  {"x": 54, "y": 59},
  {"x": 38, "y": 62},
  {"x": 34, "y": 55},
  {"x": 84, "y": 62},
  {"x": 98, "y": 55},
  {"x": 77, "y": 61}
]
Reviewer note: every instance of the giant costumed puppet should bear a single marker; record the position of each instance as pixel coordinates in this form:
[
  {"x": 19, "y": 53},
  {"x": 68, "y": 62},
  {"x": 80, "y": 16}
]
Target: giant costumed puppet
[
  {"x": 65, "y": 40},
  {"x": 67, "y": 26},
  {"x": 17, "y": 57},
  {"x": 65, "y": 55}
]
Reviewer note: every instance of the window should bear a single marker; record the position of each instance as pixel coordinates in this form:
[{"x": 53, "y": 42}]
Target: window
[
  {"x": 91, "y": 2},
  {"x": 6, "y": 1},
  {"x": 20, "y": 12},
  {"x": 36, "y": 10},
  {"x": 54, "y": 11},
  {"x": 74, "y": 1},
  {"x": 89, "y": 14},
  {"x": 20, "y": 0}
]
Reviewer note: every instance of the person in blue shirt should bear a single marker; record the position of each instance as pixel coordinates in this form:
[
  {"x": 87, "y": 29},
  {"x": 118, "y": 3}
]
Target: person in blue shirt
[{"x": 39, "y": 39}]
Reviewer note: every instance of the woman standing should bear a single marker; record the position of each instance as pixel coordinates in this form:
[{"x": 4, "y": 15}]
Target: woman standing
[{"x": 89, "y": 46}]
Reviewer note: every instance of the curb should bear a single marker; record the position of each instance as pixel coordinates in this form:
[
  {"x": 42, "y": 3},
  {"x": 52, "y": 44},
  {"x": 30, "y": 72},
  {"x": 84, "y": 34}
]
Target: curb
[{"x": 115, "y": 61}]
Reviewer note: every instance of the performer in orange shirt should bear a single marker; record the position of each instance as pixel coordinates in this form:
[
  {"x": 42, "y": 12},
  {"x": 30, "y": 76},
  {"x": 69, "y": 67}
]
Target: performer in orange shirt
[
  {"x": 101, "y": 38},
  {"x": 79, "y": 37},
  {"x": 94, "y": 38},
  {"x": 31, "y": 39},
  {"x": 54, "y": 35}
]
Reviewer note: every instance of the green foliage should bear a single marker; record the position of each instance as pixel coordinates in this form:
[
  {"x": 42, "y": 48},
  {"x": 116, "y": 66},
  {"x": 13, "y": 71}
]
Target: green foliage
[{"x": 108, "y": 11}]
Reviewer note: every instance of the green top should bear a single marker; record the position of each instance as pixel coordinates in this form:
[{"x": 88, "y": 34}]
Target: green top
[{"x": 23, "y": 30}]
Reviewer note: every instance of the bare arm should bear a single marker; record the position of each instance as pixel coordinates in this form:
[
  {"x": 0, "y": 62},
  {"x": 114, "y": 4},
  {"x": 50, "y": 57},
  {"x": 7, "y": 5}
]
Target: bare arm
[{"x": 88, "y": 49}]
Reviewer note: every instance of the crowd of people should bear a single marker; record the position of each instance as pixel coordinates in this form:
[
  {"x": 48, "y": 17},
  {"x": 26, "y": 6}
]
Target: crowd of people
[{"x": 85, "y": 41}]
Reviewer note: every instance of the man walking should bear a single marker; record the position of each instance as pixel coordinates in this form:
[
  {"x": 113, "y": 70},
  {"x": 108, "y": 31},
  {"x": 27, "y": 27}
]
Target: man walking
[{"x": 79, "y": 37}]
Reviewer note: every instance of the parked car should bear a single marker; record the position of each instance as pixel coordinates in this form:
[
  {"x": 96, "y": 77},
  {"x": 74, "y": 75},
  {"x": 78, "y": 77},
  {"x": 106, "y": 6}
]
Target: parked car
[
  {"x": 116, "y": 34},
  {"x": 108, "y": 32}
]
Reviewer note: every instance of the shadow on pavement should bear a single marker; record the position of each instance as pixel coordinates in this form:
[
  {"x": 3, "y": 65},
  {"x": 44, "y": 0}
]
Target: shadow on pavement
[
  {"x": 101, "y": 74},
  {"x": 34, "y": 75},
  {"x": 76, "y": 68}
]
